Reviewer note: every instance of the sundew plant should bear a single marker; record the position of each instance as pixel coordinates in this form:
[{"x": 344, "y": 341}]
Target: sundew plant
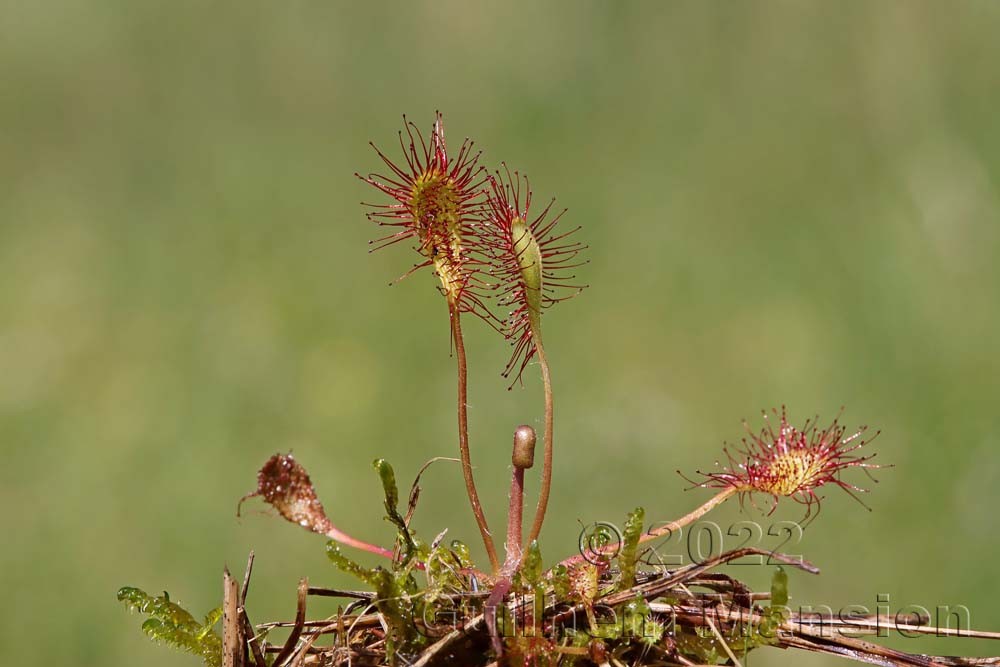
[{"x": 503, "y": 258}]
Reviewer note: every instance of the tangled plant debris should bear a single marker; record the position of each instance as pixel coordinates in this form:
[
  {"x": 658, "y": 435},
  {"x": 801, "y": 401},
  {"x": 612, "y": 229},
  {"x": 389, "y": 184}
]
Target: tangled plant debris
[{"x": 612, "y": 604}]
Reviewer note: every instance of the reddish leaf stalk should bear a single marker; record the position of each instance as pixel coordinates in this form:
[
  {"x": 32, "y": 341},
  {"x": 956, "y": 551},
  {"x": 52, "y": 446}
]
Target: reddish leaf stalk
[
  {"x": 660, "y": 531},
  {"x": 690, "y": 517},
  {"x": 463, "y": 436},
  {"x": 344, "y": 538},
  {"x": 546, "y": 481}
]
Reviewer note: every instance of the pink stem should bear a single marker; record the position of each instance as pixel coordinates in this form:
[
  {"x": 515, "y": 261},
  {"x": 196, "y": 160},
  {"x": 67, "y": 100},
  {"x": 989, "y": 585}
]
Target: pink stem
[
  {"x": 343, "y": 538},
  {"x": 515, "y": 519}
]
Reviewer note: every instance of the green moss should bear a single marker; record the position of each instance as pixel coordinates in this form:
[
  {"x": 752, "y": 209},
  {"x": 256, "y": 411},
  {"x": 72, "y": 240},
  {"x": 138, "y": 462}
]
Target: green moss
[
  {"x": 560, "y": 581},
  {"x": 531, "y": 565},
  {"x": 398, "y": 600},
  {"x": 630, "y": 545},
  {"x": 171, "y": 624},
  {"x": 777, "y": 612},
  {"x": 443, "y": 570},
  {"x": 388, "y": 477},
  {"x": 705, "y": 649}
]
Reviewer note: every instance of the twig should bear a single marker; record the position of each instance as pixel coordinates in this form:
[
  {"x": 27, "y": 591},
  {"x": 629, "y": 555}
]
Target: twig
[
  {"x": 338, "y": 593},
  {"x": 411, "y": 504},
  {"x": 858, "y": 650},
  {"x": 246, "y": 580},
  {"x": 258, "y": 655},
  {"x": 232, "y": 642},
  {"x": 658, "y": 586},
  {"x": 300, "y": 619},
  {"x": 446, "y": 641},
  {"x": 718, "y": 635}
]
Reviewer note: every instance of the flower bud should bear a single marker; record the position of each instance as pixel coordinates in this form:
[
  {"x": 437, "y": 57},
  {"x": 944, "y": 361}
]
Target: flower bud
[{"x": 524, "y": 447}]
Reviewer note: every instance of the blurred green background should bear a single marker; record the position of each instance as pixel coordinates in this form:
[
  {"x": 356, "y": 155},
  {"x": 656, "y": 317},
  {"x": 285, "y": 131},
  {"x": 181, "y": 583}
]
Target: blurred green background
[{"x": 786, "y": 202}]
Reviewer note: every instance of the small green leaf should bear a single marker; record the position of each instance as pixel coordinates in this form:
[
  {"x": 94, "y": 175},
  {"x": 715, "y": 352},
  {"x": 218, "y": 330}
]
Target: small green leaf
[
  {"x": 630, "y": 545},
  {"x": 388, "y": 477}
]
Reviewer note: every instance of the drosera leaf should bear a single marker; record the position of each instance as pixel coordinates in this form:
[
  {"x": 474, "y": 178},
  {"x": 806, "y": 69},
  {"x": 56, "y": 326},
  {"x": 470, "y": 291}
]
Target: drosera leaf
[
  {"x": 639, "y": 623},
  {"x": 583, "y": 580},
  {"x": 595, "y": 542}
]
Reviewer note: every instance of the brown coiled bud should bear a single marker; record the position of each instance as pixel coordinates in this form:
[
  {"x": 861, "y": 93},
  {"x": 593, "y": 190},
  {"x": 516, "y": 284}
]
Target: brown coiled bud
[{"x": 285, "y": 485}]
